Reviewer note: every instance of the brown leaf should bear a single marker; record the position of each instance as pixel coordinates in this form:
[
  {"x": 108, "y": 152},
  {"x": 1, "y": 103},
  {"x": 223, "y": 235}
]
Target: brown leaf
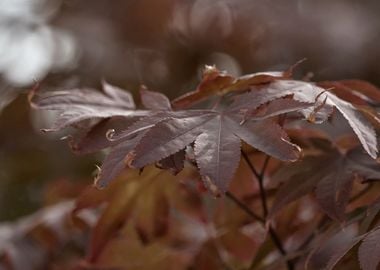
[
  {"x": 117, "y": 211},
  {"x": 215, "y": 82},
  {"x": 358, "y": 92}
]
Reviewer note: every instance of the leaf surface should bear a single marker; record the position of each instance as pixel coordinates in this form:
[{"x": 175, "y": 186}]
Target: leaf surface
[
  {"x": 154, "y": 100},
  {"x": 78, "y": 105},
  {"x": 369, "y": 251},
  {"x": 333, "y": 191},
  {"x": 331, "y": 175},
  {"x": 323, "y": 102},
  {"x": 215, "y": 82},
  {"x": 358, "y": 92},
  {"x": 217, "y": 138},
  {"x": 341, "y": 252}
]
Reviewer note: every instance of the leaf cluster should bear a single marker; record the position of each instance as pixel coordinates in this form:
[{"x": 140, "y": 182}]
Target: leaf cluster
[{"x": 204, "y": 133}]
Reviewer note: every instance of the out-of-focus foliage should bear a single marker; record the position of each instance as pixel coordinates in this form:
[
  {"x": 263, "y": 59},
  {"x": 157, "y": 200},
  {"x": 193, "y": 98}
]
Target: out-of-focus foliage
[{"x": 66, "y": 44}]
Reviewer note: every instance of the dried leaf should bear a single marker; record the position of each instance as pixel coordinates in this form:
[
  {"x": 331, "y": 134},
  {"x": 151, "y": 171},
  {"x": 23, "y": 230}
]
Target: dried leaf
[
  {"x": 215, "y": 82},
  {"x": 358, "y": 92}
]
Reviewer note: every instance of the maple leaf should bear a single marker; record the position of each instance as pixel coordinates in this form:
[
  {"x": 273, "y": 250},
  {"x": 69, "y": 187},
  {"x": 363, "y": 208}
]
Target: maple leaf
[
  {"x": 216, "y": 82},
  {"x": 174, "y": 163},
  {"x": 154, "y": 100},
  {"x": 94, "y": 138},
  {"x": 162, "y": 133},
  {"x": 216, "y": 136},
  {"x": 341, "y": 251},
  {"x": 331, "y": 176},
  {"x": 323, "y": 103},
  {"x": 76, "y": 106},
  {"x": 369, "y": 250},
  {"x": 355, "y": 91}
]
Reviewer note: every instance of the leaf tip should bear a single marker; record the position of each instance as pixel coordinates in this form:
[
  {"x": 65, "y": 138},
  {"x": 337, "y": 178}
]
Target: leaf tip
[{"x": 98, "y": 181}]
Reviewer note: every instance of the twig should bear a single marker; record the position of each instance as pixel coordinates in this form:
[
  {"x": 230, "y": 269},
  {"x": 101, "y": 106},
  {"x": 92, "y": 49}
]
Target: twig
[
  {"x": 275, "y": 238},
  {"x": 244, "y": 207},
  {"x": 260, "y": 178}
]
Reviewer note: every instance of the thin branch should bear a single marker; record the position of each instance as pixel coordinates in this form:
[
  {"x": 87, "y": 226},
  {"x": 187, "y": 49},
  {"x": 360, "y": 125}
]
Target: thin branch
[
  {"x": 277, "y": 241},
  {"x": 260, "y": 178},
  {"x": 275, "y": 238},
  {"x": 244, "y": 207},
  {"x": 250, "y": 165},
  {"x": 265, "y": 165},
  {"x": 261, "y": 182}
]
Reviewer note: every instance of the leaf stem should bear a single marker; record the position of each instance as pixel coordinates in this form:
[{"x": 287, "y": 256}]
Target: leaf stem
[
  {"x": 275, "y": 238},
  {"x": 244, "y": 207},
  {"x": 260, "y": 178}
]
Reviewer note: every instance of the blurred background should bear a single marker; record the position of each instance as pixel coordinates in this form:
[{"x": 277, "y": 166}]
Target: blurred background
[{"x": 163, "y": 44}]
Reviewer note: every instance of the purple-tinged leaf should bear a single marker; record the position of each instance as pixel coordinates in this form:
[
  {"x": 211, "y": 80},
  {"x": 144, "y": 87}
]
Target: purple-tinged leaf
[
  {"x": 217, "y": 153},
  {"x": 362, "y": 164},
  {"x": 95, "y": 139},
  {"x": 115, "y": 162},
  {"x": 323, "y": 100},
  {"x": 168, "y": 137},
  {"x": 277, "y": 107},
  {"x": 212, "y": 129},
  {"x": 359, "y": 124},
  {"x": 265, "y": 94},
  {"x": 174, "y": 163},
  {"x": 331, "y": 174},
  {"x": 341, "y": 251},
  {"x": 369, "y": 251},
  {"x": 333, "y": 192},
  {"x": 372, "y": 216},
  {"x": 298, "y": 179},
  {"x": 267, "y": 137},
  {"x": 152, "y": 119},
  {"x": 154, "y": 100},
  {"x": 117, "y": 93},
  {"x": 78, "y": 105}
]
